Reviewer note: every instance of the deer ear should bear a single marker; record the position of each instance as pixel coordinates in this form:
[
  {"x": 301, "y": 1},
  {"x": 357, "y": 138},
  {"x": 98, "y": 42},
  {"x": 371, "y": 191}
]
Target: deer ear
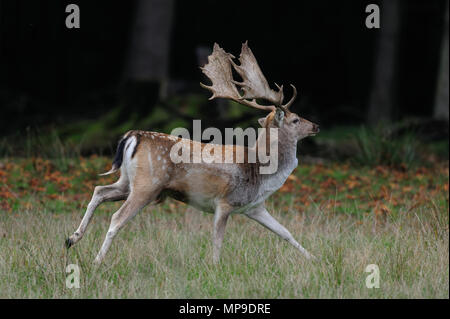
[
  {"x": 278, "y": 118},
  {"x": 262, "y": 121}
]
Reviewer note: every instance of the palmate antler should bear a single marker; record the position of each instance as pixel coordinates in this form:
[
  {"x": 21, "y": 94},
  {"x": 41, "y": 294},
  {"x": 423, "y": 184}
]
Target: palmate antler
[{"x": 254, "y": 85}]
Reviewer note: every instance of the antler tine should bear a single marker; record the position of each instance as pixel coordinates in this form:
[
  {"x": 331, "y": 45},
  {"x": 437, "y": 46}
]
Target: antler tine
[
  {"x": 294, "y": 96},
  {"x": 280, "y": 88}
]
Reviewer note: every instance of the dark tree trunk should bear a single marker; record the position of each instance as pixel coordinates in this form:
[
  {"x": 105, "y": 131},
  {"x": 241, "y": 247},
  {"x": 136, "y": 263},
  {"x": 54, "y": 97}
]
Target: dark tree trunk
[
  {"x": 148, "y": 58},
  {"x": 441, "y": 103},
  {"x": 382, "y": 99},
  {"x": 147, "y": 66}
]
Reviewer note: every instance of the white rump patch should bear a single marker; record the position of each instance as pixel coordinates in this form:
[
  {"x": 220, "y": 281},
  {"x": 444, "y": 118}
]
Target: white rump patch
[{"x": 130, "y": 145}]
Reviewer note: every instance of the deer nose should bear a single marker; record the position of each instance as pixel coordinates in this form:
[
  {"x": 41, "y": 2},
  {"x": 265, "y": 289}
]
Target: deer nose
[{"x": 315, "y": 128}]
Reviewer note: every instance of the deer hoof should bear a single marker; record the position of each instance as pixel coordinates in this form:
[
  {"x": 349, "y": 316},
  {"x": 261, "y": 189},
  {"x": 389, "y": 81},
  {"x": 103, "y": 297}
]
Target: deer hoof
[{"x": 69, "y": 243}]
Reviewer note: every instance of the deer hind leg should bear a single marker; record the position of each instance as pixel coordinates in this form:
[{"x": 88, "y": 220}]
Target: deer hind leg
[
  {"x": 221, "y": 215},
  {"x": 116, "y": 191},
  {"x": 134, "y": 203},
  {"x": 262, "y": 216}
]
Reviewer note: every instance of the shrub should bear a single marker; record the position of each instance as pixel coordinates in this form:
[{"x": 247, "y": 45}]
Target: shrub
[{"x": 380, "y": 147}]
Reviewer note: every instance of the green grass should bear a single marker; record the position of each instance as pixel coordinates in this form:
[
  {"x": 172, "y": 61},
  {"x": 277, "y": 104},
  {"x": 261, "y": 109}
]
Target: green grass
[
  {"x": 164, "y": 255},
  {"x": 349, "y": 217}
]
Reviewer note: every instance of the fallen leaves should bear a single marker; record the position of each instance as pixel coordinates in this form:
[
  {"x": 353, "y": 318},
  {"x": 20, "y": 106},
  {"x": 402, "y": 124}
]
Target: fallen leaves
[
  {"x": 28, "y": 182},
  {"x": 377, "y": 190},
  {"x": 25, "y": 183}
]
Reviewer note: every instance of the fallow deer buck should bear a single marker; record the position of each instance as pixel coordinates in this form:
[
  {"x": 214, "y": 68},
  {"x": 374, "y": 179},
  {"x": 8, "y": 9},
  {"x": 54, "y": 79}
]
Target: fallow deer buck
[{"x": 147, "y": 173}]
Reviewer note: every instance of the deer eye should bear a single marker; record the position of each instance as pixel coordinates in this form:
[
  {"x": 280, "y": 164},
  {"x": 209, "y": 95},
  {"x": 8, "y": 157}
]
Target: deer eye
[{"x": 295, "y": 121}]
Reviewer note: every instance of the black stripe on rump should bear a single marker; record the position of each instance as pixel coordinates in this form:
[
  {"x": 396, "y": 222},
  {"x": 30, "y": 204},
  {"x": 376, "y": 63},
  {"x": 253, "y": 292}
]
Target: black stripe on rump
[
  {"x": 138, "y": 140},
  {"x": 118, "y": 158}
]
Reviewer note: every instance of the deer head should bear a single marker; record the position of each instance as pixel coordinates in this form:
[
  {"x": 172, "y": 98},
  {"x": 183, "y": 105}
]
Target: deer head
[{"x": 254, "y": 87}]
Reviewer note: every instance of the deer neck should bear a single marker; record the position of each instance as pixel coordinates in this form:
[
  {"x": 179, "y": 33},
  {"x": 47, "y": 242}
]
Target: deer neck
[
  {"x": 287, "y": 154},
  {"x": 287, "y": 160}
]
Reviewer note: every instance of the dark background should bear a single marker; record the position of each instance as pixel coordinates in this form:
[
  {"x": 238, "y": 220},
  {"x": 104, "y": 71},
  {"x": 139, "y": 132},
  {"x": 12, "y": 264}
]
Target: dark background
[{"x": 52, "y": 76}]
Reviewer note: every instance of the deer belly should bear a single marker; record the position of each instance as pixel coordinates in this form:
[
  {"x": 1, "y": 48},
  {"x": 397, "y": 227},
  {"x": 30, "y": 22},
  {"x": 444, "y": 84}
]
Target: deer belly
[{"x": 196, "y": 200}]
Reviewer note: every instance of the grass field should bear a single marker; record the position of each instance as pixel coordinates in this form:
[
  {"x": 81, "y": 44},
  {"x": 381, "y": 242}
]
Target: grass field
[{"x": 349, "y": 217}]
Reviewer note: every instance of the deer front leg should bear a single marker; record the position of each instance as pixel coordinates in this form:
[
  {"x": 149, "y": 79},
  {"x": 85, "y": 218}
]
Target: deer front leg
[
  {"x": 101, "y": 194},
  {"x": 221, "y": 214},
  {"x": 262, "y": 216}
]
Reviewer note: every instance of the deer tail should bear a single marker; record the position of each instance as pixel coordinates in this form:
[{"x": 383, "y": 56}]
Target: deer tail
[{"x": 118, "y": 158}]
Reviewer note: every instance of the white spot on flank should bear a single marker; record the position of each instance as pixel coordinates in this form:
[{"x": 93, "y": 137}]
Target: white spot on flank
[
  {"x": 159, "y": 158},
  {"x": 150, "y": 163}
]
